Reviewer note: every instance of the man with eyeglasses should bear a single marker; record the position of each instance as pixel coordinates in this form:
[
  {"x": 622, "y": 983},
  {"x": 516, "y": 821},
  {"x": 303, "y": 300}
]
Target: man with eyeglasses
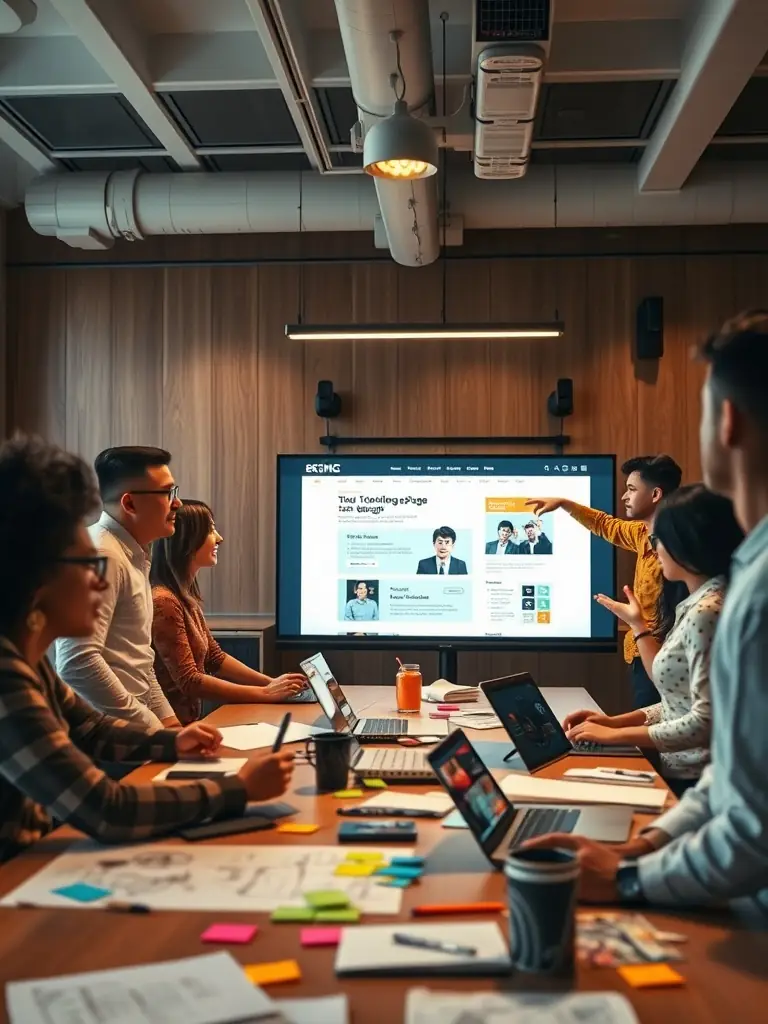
[{"x": 114, "y": 668}]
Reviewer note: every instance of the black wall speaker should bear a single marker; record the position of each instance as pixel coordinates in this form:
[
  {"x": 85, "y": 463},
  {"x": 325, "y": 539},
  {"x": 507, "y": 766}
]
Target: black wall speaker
[
  {"x": 560, "y": 402},
  {"x": 327, "y": 402},
  {"x": 649, "y": 335}
]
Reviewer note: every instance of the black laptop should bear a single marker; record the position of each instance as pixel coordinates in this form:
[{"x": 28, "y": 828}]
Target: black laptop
[
  {"x": 496, "y": 824},
  {"x": 533, "y": 726}
]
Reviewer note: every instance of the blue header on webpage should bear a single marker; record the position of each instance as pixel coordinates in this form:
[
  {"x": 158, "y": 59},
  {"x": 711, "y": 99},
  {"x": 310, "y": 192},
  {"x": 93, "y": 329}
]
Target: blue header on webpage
[{"x": 578, "y": 465}]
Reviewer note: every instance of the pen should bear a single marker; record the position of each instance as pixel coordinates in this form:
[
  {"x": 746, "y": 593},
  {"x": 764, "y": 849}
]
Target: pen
[
  {"x": 281, "y": 732},
  {"x": 120, "y": 907},
  {"x": 631, "y": 773},
  {"x": 387, "y": 812},
  {"x": 439, "y": 947}
]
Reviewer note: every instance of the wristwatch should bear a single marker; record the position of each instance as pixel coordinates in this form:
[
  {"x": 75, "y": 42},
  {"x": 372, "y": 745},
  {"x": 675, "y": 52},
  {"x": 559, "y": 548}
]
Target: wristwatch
[{"x": 628, "y": 883}]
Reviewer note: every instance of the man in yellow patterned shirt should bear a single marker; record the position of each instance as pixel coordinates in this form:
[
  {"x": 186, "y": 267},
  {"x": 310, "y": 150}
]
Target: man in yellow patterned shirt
[{"x": 649, "y": 479}]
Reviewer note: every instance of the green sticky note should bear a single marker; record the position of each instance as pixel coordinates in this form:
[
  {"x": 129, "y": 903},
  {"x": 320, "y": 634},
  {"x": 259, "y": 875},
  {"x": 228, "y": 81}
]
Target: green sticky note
[
  {"x": 350, "y": 915},
  {"x": 287, "y": 915},
  {"x": 374, "y": 784},
  {"x": 327, "y": 899}
]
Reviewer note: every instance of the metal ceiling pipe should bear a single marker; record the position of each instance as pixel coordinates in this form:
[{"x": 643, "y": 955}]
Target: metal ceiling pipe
[
  {"x": 92, "y": 210},
  {"x": 409, "y": 210}
]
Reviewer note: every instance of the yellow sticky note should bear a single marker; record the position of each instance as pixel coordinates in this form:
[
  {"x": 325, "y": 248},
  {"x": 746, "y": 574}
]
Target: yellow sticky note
[
  {"x": 296, "y": 828},
  {"x": 364, "y": 856},
  {"x": 273, "y": 973},
  {"x": 349, "y": 870},
  {"x": 374, "y": 784},
  {"x": 348, "y": 794},
  {"x": 650, "y": 976}
]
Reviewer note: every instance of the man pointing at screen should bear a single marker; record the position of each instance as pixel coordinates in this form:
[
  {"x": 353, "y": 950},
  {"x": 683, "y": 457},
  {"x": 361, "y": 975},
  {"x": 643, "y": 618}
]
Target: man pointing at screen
[{"x": 649, "y": 479}]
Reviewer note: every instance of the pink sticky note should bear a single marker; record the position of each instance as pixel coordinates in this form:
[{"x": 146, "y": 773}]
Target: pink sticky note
[
  {"x": 232, "y": 934},
  {"x": 320, "y": 936}
]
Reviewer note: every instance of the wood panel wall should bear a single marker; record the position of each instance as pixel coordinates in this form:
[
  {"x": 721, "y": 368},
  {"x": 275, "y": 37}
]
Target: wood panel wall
[{"x": 194, "y": 358}]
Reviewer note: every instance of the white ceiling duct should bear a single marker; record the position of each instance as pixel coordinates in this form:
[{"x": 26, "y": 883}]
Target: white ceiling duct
[
  {"x": 408, "y": 209},
  {"x": 91, "y": 210}
]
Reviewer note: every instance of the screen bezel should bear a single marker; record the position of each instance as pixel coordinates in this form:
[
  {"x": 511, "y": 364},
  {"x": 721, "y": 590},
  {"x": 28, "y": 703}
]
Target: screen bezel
[
  {"x": 334, "y": 641},
  {"x": 492, "y": 841},
  {"x": 491, "y": 687}
]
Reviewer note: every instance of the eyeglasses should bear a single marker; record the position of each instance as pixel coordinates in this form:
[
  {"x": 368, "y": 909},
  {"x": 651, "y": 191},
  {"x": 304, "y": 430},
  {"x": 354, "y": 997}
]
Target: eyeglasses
[
  {"x": 171, "y": 493},
  {"x": 653, "y": 540},
  {"x": 96, "y": 563}
]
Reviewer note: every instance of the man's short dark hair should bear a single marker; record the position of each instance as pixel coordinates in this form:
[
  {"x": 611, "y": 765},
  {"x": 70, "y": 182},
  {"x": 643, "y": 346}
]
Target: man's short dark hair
[
  {"x": 45, "y": 494},
  {"x": 738, "y": 359},
  {"x": 655, "y": 470},
  {"x": 446, "y": 532},
  {"x": 504, "y": 522},
  {"x": 116, "y": 467}
]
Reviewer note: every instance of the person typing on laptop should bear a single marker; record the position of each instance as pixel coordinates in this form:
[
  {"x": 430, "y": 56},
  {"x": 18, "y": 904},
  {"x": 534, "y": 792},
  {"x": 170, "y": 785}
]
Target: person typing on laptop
[
  {"x": 713, "y": 846},
  {"x": 694, "y": 535}
]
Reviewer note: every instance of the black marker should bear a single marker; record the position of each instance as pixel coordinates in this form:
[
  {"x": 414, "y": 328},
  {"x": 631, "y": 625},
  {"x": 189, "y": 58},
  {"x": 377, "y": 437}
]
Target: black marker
[{"x": 281, "y": 732}]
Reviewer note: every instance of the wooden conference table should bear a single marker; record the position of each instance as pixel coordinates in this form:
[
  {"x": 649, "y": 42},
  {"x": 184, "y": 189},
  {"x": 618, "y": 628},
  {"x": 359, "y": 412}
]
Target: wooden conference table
[{"x": 725, "y": 966}]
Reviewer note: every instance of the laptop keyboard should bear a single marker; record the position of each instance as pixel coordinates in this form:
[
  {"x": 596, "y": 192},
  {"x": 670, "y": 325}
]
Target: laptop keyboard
[
  {"x": 384, "y": 727},
  {"x": 397, "y": 760},
  {"x": 593, "y": 747},
  {"x": 540, "y": 823}
]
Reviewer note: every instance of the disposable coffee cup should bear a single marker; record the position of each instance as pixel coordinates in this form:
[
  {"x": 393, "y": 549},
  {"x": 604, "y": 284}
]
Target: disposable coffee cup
[{"x": 542, "y": 890}]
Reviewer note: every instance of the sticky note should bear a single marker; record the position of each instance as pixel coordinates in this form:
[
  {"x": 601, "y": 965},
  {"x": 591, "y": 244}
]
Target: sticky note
[
  {"x": 327, "y": 899},
  {"x": 397, "y": 883},
  {"x": 292, "y": 915},
  {"x": 233, "y": 934},
  {"x": 407, "y": 862},
  {"x": 298, "y": 829},
  {"x": 82, "y": 892},
  {"x": 320, "y": 936},
  {"x": 273, "y": 973},
  {"x": 348, "y": 794},
  {"x": 350, "y": 915},
  {"x": 400, "y": 872},
  {"x": 650, "y": 976},
  {"x": 349, "y": 870},
  {"x": 364, "y": 856},
  {"x": 374, "y": 784}
]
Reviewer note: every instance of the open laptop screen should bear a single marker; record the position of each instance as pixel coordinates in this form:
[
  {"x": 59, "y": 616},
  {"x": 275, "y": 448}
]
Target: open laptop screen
[
  {"x": 472, "y": 787},
  {"x": 328, "y": 692},
  {"x": 529, "y": 720}
]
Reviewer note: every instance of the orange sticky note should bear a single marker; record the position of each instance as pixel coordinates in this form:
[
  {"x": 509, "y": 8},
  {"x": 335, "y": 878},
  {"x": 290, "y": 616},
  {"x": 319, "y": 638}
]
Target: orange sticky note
[
  {"x": 650, "y": 976},
  {"x": 273, "y": 973},
  {"x": 296, "y": 828}
]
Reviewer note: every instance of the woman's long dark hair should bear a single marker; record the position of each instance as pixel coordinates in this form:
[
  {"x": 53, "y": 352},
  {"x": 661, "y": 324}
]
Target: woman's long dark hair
[
  {"x": 700, "y": 533},
  {"x": 172, "y": 556}
]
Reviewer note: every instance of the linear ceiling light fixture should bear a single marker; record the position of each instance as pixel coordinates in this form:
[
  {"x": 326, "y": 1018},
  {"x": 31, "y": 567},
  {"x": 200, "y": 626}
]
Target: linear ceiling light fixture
[{"x": 422, "y": 332}]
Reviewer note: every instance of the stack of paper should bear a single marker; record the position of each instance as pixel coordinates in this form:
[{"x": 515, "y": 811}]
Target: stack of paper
[
  {"x": 529, "y": 789},
  {"x": 426, "y": 1007},
  {"x": 435, "y": 800},
  {"x": 372, "y": 950},
  {"x": 444, "y": 692},
  {"x": 262, "y": 734}
]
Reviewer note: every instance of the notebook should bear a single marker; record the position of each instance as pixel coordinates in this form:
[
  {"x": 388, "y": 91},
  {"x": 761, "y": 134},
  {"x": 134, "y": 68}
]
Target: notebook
[
  {"x": 371, "y": 950},
  {"x": 531, "y": 789},
  {"x": 444, "y": 692}
]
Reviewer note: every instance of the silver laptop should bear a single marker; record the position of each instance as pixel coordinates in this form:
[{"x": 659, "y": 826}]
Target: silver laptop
[
  {"x": 367, "y": 730},
  {"x": 496, "y": 824}
]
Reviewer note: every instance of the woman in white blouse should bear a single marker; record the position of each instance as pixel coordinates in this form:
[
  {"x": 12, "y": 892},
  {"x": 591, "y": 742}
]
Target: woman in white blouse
[{"x": 694, "y": 535}]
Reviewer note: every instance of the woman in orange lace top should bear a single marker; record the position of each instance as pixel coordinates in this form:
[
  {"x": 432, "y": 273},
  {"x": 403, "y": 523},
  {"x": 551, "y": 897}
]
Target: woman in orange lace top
[{"x": 189, "y": 664}]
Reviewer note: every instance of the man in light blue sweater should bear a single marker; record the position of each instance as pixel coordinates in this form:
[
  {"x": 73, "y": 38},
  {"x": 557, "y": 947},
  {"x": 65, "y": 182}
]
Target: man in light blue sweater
[{"x": 712, "y": 847}]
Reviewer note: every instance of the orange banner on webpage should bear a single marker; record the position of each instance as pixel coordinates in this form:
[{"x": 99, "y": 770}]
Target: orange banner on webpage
[{"x": 507, "y": 505}]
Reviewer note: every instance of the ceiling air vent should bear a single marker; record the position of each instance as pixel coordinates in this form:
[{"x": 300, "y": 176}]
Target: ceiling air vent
[{"x": 508, "y": 76}]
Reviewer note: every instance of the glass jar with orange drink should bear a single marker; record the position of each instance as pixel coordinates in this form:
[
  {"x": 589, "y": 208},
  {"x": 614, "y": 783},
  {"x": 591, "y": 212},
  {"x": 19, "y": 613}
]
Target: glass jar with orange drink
[{"x": 408, "y": 688}]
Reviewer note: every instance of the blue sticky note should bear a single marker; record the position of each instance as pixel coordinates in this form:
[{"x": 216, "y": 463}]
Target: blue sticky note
[
  {"x": 407, "y": 862},
  {"x": 82, "y": 892},
  {"x": 397, "y": 883},
  {"x": 400, "y": 872}
]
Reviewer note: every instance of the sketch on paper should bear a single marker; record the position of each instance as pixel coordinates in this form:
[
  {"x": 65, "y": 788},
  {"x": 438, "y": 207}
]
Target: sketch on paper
[{"x": 259, "y": 878}]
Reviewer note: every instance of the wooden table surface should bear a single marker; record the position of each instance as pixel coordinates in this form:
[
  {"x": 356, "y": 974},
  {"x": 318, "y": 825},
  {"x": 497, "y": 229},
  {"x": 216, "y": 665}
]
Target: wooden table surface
[{"x": 725, "y": 967}]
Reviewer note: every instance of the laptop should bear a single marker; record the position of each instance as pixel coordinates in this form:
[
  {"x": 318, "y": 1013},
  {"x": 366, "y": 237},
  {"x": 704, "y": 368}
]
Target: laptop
[
  {"x": 367, "y": 730},
  {"x": 533, "y": 726},
  {"x": 497, "y": 825}
]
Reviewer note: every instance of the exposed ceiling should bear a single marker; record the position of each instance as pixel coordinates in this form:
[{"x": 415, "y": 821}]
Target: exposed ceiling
[{"x": 198, "y": 85}]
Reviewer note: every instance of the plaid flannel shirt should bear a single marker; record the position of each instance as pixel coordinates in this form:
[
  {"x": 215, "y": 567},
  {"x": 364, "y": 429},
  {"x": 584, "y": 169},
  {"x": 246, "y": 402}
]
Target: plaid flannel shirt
[{"x": 49, "y": 739}]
